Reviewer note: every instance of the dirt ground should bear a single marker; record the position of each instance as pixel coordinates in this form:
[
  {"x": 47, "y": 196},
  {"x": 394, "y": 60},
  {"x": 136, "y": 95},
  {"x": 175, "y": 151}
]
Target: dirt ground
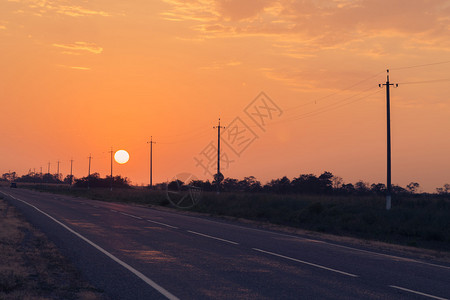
[{"x": 31, "y": 267}]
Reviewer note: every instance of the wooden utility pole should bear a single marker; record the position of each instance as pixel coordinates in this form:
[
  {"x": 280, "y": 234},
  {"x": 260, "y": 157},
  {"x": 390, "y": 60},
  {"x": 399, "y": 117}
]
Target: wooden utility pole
[
  {"x": 112, "y": 179},
  {"x": 57, "y": 172},
  {"x": 89, "y": 172},
  {"x": 388, "y": 117},
  {"x": 218, "y": 175},
  {"x": 151, "y": 142},
  {"x": 71, "y": 176}
]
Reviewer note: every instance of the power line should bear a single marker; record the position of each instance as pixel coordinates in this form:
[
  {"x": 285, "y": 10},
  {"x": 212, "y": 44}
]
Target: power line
[
  {"x": 424, "y": 65},
  {"x": 190, "y": 138},
  {"x": 338, "y": 104},
  {"x": 335, "y": 93},
  {"x": 426, "y": 81}
]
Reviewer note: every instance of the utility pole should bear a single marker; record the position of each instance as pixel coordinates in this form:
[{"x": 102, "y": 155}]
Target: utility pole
[
  {"x": 151, "y": 161},
  {"x": 218, "y": 175},
  {"x": 112, "y": 179},
  {"x": 388, "y": 117},
  {"x": 57, "y": 173},
  {"x": 71, "y": 176},
  {"x": 89, "y": 170},
  {"x": 48, "y": 171}
]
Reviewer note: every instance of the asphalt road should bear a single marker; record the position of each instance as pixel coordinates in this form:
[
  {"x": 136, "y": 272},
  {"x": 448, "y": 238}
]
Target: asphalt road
[{"x": 139, "y": 253}]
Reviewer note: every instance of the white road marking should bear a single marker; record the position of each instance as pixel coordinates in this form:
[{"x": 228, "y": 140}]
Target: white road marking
[
  {"x": 418, "y": 293},
  {"x": 136, "y": 217},
  {"x": 141, "y": 276},
  {"x": 167, "y": 225},
  {"x": 213, "y": 237},
  {"x": 394, "y": 257},
  {"x": 306, "y": 263}
]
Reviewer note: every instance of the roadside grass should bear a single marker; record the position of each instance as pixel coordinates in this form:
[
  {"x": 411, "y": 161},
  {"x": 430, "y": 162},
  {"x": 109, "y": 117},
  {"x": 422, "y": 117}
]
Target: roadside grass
[
  {"x": 418, "y": 220},
  {"x": 140, "y": 196},
  {"x": 413, "y": 221},
  {"x": 31, "y": 267}
]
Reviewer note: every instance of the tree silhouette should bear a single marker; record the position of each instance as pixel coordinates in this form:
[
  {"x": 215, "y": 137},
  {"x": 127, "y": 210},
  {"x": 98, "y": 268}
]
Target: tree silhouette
[{"x": 413, "y": 187}]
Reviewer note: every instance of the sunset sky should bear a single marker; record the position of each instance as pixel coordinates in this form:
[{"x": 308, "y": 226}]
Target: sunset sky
[{"x": 80, "y": 77}]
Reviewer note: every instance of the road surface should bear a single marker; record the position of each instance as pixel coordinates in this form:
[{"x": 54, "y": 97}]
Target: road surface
[{"x": 132, "y": 252}]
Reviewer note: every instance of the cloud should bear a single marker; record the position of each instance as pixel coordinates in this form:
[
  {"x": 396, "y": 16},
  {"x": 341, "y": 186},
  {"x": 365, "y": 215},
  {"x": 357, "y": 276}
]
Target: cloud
[
  {"x": 75, "y": 67},
  {"x": 80, "y": 47},
  {"x": 194, "y": 10},
  {"x": 222, "y": 65},
  {"x": 3, "y": 25},
  {"x": 239, "y": 10},
  {"x": 78, "y": 11},
  {"x": 322, "y": 23},
  {"x": 61, "y": 7}
]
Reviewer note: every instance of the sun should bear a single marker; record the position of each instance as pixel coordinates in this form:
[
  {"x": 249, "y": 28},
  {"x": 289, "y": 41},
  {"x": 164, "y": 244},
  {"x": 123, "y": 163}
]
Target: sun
[{"x": 121, "y": 156}]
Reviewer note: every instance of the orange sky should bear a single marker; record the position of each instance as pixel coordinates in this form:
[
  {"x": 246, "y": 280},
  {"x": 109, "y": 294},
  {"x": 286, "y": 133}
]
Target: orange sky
[{"x": 80, "y": 77}]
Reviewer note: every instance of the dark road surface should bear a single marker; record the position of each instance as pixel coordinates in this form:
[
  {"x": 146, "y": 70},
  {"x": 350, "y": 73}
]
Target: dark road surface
[{"x": 140, "y": 253}]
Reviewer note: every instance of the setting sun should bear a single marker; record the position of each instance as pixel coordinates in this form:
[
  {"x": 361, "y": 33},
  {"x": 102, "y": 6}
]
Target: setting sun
[{"x": 121, "y": 156}]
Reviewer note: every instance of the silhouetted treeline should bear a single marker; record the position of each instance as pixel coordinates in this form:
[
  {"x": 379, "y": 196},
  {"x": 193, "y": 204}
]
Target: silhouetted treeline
[
  {"x": 95, "y": 181},
  {"x": 326, "y": 183},
  {"x": 32, "y": 177}
]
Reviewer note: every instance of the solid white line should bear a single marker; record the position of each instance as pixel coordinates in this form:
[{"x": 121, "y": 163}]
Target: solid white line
[
  {"x": 397, "y": 258},
  {"x": 167, "y": 225},
  {"x": 333, "y": 244},
  {"x": 131, "y": 216},
  {"x": 322, "y": 242},
  {"x": 144, "y": 278},
  {"x": 213, "y": 237},
  {"x": 418, "y": 293},
  {"x": 306, "y": 263}
]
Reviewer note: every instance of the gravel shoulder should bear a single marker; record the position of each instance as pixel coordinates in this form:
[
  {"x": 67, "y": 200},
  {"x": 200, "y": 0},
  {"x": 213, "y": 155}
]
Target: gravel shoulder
[{"x": 32, "y": 267}]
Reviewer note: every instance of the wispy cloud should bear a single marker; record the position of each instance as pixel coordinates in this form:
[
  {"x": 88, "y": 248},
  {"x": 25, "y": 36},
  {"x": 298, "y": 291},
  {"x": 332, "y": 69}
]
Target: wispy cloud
[
  {"x": 325, "y": 23},
  {"x": 80, "y": 47},
  {"x": 3, "y": 25},
  {"x": 197, "y": 10},
  {"x": 61, "y": 7},
  {"x": 75, "y": 67},
  {"x": 78, "y": 11},
  {"x": 221, "y": 65}
]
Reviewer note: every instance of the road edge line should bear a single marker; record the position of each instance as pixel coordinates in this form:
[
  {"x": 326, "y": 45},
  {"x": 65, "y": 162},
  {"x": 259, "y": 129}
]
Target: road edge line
[{"x": 141, "y": 276}]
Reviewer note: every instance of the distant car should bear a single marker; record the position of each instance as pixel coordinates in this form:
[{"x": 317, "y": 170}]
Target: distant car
[{"x": 13, "y": 185}]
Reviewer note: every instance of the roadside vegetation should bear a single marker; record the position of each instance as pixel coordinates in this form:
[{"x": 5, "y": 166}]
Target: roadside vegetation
[
  {"x": 31, "y": 267},
  {"x": 317, "y": 203},
  {"x": 422, "y": 221}
]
